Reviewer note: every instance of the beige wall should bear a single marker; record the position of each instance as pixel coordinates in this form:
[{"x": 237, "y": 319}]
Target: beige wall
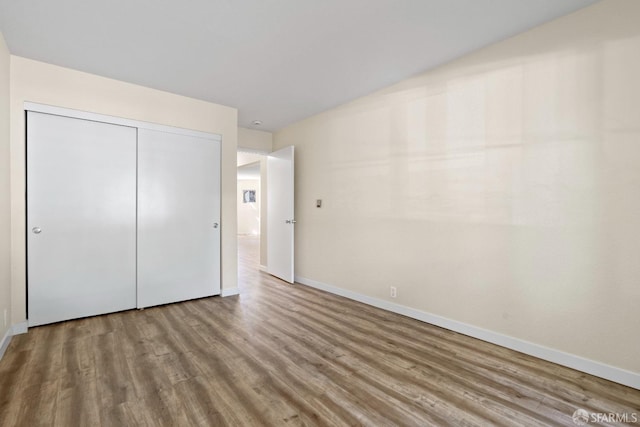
[
  {"x": 5, "y": 194},
  {"x": 48, "y": 84},
  {"x": 255, "y": 140},
  {"x": 249, "y": 213},
  {"x": 501, "y": 190}
]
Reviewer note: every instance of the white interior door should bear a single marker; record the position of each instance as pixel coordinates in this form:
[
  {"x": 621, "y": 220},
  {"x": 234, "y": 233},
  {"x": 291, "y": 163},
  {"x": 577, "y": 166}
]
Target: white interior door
[
  {"x": 280, "y": 219},
  {"x": 81, "y": 220},
  {"x": 178, "y": 217}
]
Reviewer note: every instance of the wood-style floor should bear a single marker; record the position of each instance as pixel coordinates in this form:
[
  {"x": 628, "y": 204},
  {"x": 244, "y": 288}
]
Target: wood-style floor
[{"x": 282, "y": 354}]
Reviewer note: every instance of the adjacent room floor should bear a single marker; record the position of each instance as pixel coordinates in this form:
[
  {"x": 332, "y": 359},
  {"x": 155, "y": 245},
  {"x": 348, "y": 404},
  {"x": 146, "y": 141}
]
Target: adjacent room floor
[{"x": 282, "y": 354}]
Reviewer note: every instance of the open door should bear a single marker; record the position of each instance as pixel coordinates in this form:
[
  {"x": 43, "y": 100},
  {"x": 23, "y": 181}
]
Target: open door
[{"x": 280, "y": 219}]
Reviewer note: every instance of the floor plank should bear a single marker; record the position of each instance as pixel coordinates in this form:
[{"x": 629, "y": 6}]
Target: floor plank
[{"x": 283, "y": 354}]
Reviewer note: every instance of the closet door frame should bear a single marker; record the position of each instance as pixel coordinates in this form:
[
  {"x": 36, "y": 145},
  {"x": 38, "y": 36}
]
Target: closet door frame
[{"x": 78, "y": 114}]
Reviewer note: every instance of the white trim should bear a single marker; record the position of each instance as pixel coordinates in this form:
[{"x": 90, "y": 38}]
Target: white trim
[
  {"x": 6, "y": 340},
  {"x": 263, "y": 268},
  {"x": 230, "y": 292},
  {"x": 20, "y": 328},
  {"x": 85, "y": 115},
  {"x": 598, "y": 369},
  {"x": 16, "y": 329}
]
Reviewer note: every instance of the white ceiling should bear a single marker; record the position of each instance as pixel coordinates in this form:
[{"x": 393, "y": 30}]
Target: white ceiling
[{"x": 275, "y": 60}]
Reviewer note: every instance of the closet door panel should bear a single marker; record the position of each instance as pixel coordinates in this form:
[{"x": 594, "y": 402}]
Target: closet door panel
[
  {"x": 178, "y": 217},
  {"x": 81, "y": 220}
]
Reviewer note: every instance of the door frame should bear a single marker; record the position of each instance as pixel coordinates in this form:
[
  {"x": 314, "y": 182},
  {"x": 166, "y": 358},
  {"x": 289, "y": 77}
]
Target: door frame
[{"x": 79, "y": 114}]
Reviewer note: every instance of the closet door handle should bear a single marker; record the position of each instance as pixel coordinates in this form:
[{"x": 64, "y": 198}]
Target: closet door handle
[{"x": 36, "y": 230}]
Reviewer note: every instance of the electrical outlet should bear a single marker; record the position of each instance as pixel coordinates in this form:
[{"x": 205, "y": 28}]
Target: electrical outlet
[{"x": 393, "y": 291}]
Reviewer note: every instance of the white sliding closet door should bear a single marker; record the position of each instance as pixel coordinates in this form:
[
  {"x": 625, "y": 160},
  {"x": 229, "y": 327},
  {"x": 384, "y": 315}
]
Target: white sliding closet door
[
  {"x": 81, "y": 220},
  {"x": 178, "y": 217}
]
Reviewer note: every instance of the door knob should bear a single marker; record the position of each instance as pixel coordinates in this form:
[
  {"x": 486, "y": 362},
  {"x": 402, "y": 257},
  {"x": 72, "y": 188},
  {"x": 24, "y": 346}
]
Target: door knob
[
  {"x": 215, "y": 225},
  {"x": 36, "y": 230}
]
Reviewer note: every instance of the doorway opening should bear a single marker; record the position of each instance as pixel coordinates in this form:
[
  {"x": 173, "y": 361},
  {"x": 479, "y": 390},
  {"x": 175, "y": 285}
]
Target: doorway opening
[
  {"x": 252, "y": 208},
  {"x": 266, "y": 211}
]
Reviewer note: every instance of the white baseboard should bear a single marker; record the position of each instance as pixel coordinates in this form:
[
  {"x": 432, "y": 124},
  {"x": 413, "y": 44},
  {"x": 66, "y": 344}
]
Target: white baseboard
[
  {"x": 19, "y": 328},
  {"x": 5, "y": 342},
  {"x": 263, "y": 268},
  {"x": 598, "y": 369},
  {"x": 229, "y": 292}
]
